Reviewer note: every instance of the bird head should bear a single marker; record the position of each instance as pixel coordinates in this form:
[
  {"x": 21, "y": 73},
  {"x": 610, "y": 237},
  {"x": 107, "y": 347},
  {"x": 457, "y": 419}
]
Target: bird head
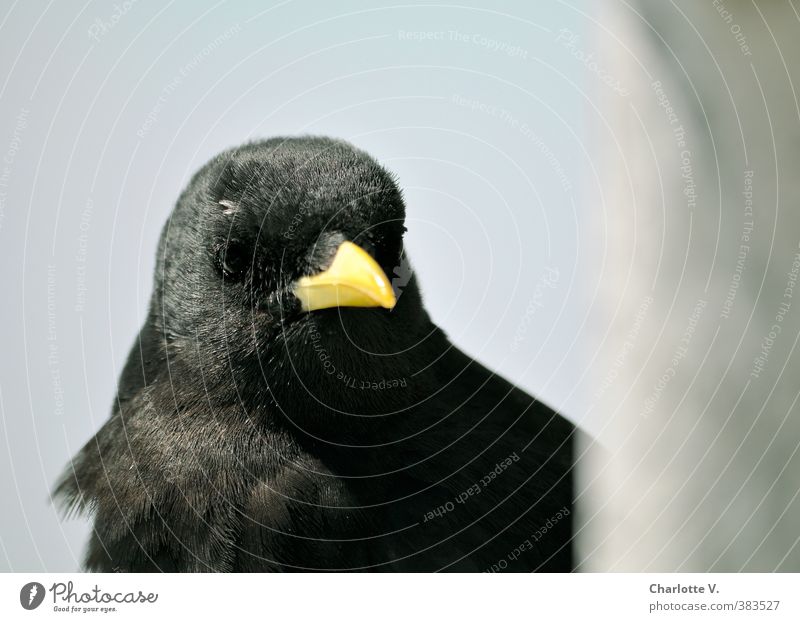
[{"x": 277, "y": 263}]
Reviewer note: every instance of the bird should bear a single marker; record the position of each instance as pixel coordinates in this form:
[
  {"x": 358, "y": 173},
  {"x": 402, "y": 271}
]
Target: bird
[{"x": 290, "y": 406}]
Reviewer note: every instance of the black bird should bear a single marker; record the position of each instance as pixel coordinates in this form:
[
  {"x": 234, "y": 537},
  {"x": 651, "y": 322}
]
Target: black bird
[{"x": 286, "y": 408}]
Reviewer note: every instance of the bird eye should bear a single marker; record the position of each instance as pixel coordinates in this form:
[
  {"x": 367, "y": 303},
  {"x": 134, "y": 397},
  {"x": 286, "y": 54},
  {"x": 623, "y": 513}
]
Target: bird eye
[{"x": 232, "y": 259}]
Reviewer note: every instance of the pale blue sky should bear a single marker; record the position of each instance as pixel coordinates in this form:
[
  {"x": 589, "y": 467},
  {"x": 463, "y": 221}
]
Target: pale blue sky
[{"x": 478, "y": 111}]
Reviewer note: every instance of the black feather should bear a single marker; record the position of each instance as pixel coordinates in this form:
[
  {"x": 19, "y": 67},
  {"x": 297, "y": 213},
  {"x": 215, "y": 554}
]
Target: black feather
[{"x": 248, "y": 436}]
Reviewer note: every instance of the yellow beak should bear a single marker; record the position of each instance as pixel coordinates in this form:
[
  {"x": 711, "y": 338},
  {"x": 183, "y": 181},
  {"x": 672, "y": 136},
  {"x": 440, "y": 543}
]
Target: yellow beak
[{"x": 354, "y": 279}]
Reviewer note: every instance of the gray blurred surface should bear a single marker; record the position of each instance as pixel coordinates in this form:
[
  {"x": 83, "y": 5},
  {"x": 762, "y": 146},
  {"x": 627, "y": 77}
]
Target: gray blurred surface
[
  {"x": 697, "y": 325},
  {"x": 104, "y": 116}
]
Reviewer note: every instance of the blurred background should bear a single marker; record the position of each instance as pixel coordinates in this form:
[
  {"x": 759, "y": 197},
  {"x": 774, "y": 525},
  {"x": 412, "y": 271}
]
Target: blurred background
[
  {"x": 697, "y": 373},
  {"x": 601, "y": 206}
]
